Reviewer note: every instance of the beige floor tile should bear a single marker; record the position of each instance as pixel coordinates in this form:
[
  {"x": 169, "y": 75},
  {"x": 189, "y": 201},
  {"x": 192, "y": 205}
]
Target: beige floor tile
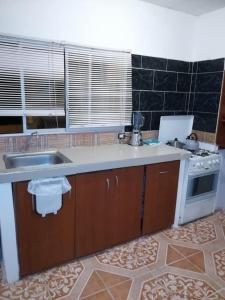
[
  {"x": 172, "y": 255},
  {"x": 198, "y": 260},
  {"x": 185, "y": 251},
  {"x": 93, "y": 285},
  {"x": 185, "y": 264},
  {"x": 121, "y": 291},
  {"x": 104, "y": 295},
  {"x": 111, "y": 279}
]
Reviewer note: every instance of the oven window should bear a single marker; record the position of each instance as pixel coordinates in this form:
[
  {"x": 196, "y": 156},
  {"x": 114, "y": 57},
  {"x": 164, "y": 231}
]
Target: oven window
[{"x": 202, "y": 185}]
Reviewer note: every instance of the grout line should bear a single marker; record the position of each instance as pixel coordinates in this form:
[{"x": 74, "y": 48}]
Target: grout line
[
  {"x": 178, "y": 92},
  {"x": 181, "y": 72},
  {"x": 164, "y": 100},
  {"x": 153, "y": 80}
]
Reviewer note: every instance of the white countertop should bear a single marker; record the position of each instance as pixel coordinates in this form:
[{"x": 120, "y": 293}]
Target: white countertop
[{"x": 95, "y": 158}]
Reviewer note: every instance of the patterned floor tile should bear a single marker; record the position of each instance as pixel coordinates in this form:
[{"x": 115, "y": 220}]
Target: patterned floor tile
[
  {"x": 172, "y": 255},
  {"x": 111, "y": 279},
  {"x": 199, "y": 232},
  {"x": 53, "y": 284},
  {"x": 93, "y": 286},
  {"x": 198, "y": 260},
  {"x": 121, "y": 291},
  {"x": 132, "y": 256},
  {"x": 185, "y": 251},
  {"x": 187, "y": 263},
  {"x": 219, "y": 259},
  {"x": 104, "y": 295},
  {"x": 172, "y": 286}
]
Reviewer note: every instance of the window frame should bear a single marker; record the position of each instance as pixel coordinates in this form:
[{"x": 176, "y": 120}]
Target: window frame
[{"x": 65, "y": 130}]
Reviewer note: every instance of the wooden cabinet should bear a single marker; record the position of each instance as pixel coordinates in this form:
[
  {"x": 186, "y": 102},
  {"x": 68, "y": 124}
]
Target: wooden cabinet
[
  {"x": 104, "y": 209},
  {"x": 220, "y": 135},
  {"x": 160, "y": 196},
  {"x": 43, "y": 242},
  {"x": 108, "y": 208}
]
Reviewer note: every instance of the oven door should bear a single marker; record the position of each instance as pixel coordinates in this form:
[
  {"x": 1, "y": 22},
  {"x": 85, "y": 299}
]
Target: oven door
[{"x": 201, "y": 186}]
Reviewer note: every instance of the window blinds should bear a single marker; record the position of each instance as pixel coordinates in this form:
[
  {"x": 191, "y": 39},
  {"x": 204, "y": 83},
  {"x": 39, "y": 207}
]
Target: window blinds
[
  {"x": 43, "y": 72},
  {"x": 10, "y": 88},
  {"x": 98, "y": 87},
  {"x": 31, "y": 78}
]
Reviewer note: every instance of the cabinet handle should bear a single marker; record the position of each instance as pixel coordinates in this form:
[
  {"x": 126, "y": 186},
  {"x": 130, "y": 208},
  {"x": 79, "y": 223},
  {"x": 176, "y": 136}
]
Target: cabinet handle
[
  {"x": 107, "y": 180},
  {"x": 117, "y": 180},
  {"x": 163, "y": 172}
]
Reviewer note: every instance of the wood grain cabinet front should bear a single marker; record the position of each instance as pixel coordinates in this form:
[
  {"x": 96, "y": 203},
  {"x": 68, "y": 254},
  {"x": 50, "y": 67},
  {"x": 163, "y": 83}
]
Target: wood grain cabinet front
[
  {"x": 104, "y": 209},
  {"x": 108, "y": 208},
  {"x": 160, "y": 196},
  {"x": 43, "y": 242}
]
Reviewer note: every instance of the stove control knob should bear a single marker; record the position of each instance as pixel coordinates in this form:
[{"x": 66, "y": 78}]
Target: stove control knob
[
  {"x": 198, "y": 165},
  {"x": 217, "y": 161}
]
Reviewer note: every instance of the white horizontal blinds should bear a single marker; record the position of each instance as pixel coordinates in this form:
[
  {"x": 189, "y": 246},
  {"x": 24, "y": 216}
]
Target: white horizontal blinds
[
  {"x": 42, "y": 66},
  {"x": 98, "y": 87},
  {"x": 10, "y": 88}
]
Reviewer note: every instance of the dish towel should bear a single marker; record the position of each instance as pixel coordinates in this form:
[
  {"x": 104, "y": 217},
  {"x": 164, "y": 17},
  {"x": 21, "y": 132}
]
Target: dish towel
[{"x": 48, "y": 193}]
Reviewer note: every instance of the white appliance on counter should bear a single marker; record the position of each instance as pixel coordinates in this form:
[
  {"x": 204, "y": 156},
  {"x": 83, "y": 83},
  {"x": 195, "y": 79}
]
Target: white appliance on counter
[{"x": 200, "y": 175}]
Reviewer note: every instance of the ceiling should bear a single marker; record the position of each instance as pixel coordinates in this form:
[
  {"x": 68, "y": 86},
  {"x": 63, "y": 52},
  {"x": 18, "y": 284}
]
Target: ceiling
[{"x": 193, "y": 7}]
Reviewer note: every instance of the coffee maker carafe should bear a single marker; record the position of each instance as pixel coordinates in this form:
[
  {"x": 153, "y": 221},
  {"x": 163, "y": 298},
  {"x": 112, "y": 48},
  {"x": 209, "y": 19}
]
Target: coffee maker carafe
[{"x": 136, "y": 136}]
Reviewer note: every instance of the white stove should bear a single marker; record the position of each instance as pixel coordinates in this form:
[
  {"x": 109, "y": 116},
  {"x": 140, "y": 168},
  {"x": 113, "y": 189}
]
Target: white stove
[
  {"x": 198, "y": 178},
  {"x": 200, "y": 185}
]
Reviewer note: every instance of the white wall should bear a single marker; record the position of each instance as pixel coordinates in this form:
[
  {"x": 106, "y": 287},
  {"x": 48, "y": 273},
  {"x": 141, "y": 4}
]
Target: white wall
[
  {"x": 210, "y": 36},
  {"x": 125, "y": 24}
]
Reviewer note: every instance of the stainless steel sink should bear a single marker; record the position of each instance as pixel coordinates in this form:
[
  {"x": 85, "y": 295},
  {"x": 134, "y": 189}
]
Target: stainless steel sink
[{"x": 34, "y": 159}]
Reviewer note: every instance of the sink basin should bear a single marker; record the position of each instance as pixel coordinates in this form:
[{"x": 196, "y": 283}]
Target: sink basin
[{"x": 34, "y": 159}]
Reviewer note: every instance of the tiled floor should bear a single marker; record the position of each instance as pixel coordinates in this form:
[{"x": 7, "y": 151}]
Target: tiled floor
[{"x": 185, "y": 263}]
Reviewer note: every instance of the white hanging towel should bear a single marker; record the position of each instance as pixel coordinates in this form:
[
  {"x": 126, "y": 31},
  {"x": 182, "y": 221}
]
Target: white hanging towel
[{"x": 48, "y": 193}]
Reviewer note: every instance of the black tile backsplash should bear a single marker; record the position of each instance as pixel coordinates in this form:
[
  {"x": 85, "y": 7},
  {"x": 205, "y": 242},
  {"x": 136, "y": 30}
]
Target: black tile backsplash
[
  {"x": 205, "y": 122},
  {"x": 142, "y": 79},
  {"x": 175, "y": 101},
  {"x": 215, "y": 65},
  {"x": 136, "y": 61},
  {"x": 136, "y": 100},
  {"x": 206, "y": 102},
  {"x": 151, "y": 100},
  {"x": 183, "y": 82},
  {"x": 165, "y": 81},
  {"x": 172, "y": 87},
  {"x": 154, "y": 63},
  {"x": 209, "y": 82},
  {"x": 178, "y": 66}
]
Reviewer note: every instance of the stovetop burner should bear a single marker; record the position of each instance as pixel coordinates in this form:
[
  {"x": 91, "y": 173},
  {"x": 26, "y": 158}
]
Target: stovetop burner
[{"x": 202, "y": 153}]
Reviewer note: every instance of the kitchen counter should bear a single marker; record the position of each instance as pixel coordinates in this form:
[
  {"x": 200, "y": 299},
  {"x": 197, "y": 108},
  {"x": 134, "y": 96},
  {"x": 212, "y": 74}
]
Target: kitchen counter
[
  {"x": 83, "y": 159},
  {"x": 95, "y": 158}
]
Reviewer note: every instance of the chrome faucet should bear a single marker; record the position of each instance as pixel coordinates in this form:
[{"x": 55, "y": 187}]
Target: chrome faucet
[{"x": 29, "y": 140}]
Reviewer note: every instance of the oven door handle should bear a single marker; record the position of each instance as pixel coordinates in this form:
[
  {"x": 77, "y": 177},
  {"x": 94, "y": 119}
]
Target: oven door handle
[{"x": 203, "y": 173}]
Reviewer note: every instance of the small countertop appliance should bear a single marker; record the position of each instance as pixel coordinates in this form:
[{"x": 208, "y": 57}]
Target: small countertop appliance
[{"x": 136, "y": 136}]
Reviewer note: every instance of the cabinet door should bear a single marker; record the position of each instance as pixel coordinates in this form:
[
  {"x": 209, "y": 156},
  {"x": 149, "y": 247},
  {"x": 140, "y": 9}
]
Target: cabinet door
[
  {"x": 43, "y": 242},
  {"x": 92, "y": 212},
  {"x": 125, "y": 204},
  {"x": 160, "y": 196}
]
